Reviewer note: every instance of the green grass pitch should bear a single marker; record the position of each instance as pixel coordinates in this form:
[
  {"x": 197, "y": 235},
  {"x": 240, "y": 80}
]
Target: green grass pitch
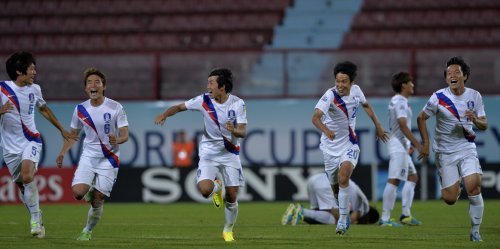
[{"x": 194, "y": 225}]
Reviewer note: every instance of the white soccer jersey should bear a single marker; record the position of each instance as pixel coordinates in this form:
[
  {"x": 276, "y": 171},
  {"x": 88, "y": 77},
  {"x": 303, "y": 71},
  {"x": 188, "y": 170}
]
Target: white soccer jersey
[
  {"x": 18, "y": 125},
  {"x": 97, "y": 123},
  {"x": 320, "y": 186},
  {"x": 453, "y": 131},
  {"x": 340, "y": 117},
  {"x": 217, "y": 142},
  {"x": 398, "y": 108}
]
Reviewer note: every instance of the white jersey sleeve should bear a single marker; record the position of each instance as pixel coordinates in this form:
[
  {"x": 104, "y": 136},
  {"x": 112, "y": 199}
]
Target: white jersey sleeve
[
  {"x": 398, "y": 108},
  {"x": 39, "y": 98}
]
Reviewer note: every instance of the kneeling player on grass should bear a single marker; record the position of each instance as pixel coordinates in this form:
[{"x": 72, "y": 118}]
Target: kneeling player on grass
[
  {"x": 225, "y": 124},
  {"x": 324, "y": 208}
]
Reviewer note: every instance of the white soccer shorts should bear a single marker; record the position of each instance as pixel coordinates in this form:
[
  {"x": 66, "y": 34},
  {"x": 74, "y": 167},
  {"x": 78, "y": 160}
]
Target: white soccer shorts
[
  {"x": 13, "y": 161},
  {"x": 332, "y": 163},
  {"x": 453, "y": 166},
  {"x": 231, "y": 172},
  {"x": 98, "y": 169},
  {"x": 400, "y": 166}
]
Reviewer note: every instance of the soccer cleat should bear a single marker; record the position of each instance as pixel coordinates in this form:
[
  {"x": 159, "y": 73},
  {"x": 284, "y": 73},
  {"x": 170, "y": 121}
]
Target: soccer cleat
[
  {"x": 297, "y": 216},
  {"x": 42, "y": 233},
  {"x": 409, "y": 220},
  {"x": 36, "y": 228},
  {"x": 389, "y": 223},
  {"x": 475, "y": 237},
  {"x": 84, "y": 235},
  {"x": 217, "y": 196},
  {"x": 228, "y": 236},
  {"x": 288, "y": 215},
  {"x": 341, "y": 228},
  {"x": 89, "y": 196}
]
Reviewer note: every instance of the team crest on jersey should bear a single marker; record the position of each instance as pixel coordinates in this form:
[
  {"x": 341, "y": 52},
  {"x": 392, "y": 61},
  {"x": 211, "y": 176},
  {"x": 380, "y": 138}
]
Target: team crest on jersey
[
  {"x": 31, "y": 97},
  {"x": 107, "y": 117},
  {"x": 231, "y": 115},
  {"x": 470, "y": 105},
  {"x": 356, "y": 100}
]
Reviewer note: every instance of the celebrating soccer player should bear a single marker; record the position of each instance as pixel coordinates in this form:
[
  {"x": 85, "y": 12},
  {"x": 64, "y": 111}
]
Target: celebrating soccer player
[
  {"x": 106, "y": 126},
  {"x": 225, "y": 124},
  {"x": 335, "y": 117},
  {"x": 20, "y": 140},
  {"x": 457, "y": 109}
]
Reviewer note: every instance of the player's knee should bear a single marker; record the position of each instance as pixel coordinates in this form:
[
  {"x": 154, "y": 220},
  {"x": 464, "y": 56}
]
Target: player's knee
[
  {"x": 77, "y": 194},
  {"x": 205, "y": 191},
  {"x": 450, "y": 200},
  {"x": 474, "y": 191},
  {"x": 27, "y": 178}
]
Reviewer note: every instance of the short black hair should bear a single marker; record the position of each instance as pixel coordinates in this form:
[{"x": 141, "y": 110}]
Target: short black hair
[
  {"x": 399, "y": 79},
  {"x": 19, "y": 61},
  {"x": 94, "y": 71},
  {"x": 457, "y": 60},
  {"x": 225, "y": 78},
  {"x": 371, "y": 217},
  {"x": 346, "y": 67}
]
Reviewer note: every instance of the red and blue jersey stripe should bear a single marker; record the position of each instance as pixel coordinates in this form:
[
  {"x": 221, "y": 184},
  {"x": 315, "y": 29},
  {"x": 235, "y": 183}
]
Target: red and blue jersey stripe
[
  {"x": 11, "y": 95},
  {"x": 337, "y": 101},
  {"x": 450, "y": 106},
  {"x": 108, "y": 154},
  {"x": 210, "y": 109}
]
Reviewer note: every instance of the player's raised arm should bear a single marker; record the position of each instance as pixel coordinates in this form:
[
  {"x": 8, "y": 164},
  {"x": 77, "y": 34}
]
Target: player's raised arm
[{"x": 160, "y": 119}]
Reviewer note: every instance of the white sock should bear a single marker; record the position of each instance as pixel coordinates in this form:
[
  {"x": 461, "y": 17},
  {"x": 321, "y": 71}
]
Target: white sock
[
  {"x": 231, "y": 212},
  {"x": 343, "y": 204},
  {"x": 323, "y": 217},
  {"x": 93, "y": 217},
  {"x": 388, "y": 200},
  {"x": 31, "y": 200},
  {"x": 476, "y": 208},
  {"x": 216, "y": 188},
  {"x": 407, "y": 197}
]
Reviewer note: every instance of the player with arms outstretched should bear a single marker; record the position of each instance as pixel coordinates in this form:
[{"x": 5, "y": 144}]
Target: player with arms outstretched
[{"x": 225, "y": 124}]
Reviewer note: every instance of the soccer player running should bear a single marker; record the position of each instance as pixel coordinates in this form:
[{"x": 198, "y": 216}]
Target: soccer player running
[
  {"x": 401, "y": 167},
  {"x": 335, "y": 117},
  {"x": 457, "y": 109},
  {"x": 225, "y": 124},
  {"x": 20, "y": 140},
  {"x": 324, "y": 210},
  {"x": 106, "y": 126}
]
